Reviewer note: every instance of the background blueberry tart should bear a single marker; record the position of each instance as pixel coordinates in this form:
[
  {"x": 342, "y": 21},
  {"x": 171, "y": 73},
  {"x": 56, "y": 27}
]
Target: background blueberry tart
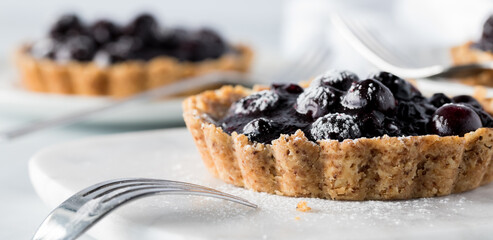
[
  {"x": 343, "y": 138},
  {"x": 474, "y": 52},
  {"x": 106, "y": 59}
]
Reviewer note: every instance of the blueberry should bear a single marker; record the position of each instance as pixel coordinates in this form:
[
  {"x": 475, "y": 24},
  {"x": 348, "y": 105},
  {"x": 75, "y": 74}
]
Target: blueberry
[
  {"x": 261, "y": 130},
  {"x": 256, "y": 103},
  {"x": 337, "y": 126},
  {"x": 66, "y": 26},
  {"x": 467, "y": 100},
  {"x": 372, "y": 123},
  {"x": 104, "y": 31},
  {"x": 145, "y": 27},
  {"x": 200, "y": 45},
  {"x": 454, "y": 119},
  {"x": 439, "y": 99},
  {"x": 410, "y": 111},
  {"x": 287, "y": 88},
  {"x": 369, "y": 94},
  {"x": 213, "y": 44},
  {"x": 80, "y": 48},
  {"x": 401, "y": 89},
  {"x": 316, "y": 102},
  {"x": 172, "y": 38},
  {"x": 341, "y": 80},
  {"x": 486, "y": 118}
]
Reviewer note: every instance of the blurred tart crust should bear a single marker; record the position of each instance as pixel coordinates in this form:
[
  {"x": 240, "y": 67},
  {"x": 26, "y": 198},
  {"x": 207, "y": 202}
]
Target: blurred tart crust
[
  {"x": 467, "y": 54},
  {"x": 382, "y": 168},
  {"x": 120, "y": 79}
]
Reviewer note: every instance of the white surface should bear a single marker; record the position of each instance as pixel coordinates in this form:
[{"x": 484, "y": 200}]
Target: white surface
[{"x": 59, "y": 171}]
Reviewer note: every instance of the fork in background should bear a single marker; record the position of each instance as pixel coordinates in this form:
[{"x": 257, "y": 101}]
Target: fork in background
[
  {"x": 85, "y": 208},
  {"x": 372, "y": 46},
  {"x": 313, "y": 60}
]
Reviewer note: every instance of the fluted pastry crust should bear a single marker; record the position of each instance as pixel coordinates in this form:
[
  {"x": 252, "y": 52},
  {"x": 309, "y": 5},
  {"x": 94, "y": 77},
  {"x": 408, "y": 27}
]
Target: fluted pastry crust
[
  {"x": 466, "y": 54},
  {"x": 380, "y": 168},
  {"x": 121, "y": 79}
]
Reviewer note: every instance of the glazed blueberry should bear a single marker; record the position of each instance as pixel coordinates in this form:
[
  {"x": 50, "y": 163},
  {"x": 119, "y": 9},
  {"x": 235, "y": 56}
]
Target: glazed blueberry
[
  {"x": 439, "y": 99},
  {"x": 256, "y": 103},
  {"x": 261, "y": 130},
  {"x": 124, "y": 48},
  {"x": 80, "y": 48},
  {"x": 144, "y": 27},
  {"x": 371, "y": 123},
  {"x": 367, "y": 109},
  {"x": 200, "y": 45},
  {"x": 341, "y": 80},
  {"x": 486, "y": 119},
  {"x": 143, "y": 35},
  {"x": 401, "y": 89},
  {"x": 338, "y": 126},
  {"x": 104, "y": 31},
  {"x": 213, "y": 45},
  {"x": 316, "y": 102},
  {"x": 467, "y": 100},
  {"x": 454, "y": 119},
  {"x": 67, "y": 25},
  {"x": 287, "y": 88},
  {"x": 369, "y": 94},
  {"x": 172, "y": 38}
]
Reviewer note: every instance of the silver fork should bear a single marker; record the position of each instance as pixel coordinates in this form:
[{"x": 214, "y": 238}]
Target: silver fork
[
  {"x": 85, "y": 208},
  {"x": 312, "y": 60},
  {"x": 371, "y": 46}
]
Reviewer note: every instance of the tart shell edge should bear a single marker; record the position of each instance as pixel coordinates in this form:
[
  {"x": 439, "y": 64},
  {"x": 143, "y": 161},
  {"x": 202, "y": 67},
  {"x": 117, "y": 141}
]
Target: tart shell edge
[
  {"x": 383, "y": 168},
  {"x": 120, "y": 79}
]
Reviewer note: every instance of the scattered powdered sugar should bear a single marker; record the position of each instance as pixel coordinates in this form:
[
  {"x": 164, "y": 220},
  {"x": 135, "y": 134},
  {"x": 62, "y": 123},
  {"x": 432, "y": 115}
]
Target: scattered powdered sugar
[{"x": 208, "y": 218}]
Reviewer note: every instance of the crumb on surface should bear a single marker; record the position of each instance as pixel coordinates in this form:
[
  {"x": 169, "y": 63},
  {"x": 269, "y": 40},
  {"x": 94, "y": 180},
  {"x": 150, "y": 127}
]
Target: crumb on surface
[
  {"x": 302, "y": 207},
  {"x": 296, "y": 218}
]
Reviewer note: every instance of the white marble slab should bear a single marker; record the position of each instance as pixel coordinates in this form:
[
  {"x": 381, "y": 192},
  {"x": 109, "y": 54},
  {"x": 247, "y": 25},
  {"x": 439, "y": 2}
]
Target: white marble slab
[{"x": 62, "y": 170}]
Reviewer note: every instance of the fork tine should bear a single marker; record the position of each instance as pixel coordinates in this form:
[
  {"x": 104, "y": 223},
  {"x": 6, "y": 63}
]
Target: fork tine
[
  {"x": 365, "y": 44},
  {"x": 116, "y": 184},
  {"x": 309, "y": 64},
  {"x": 382, "y": 46},
  {"x": 127, "y": 189},
  {"x": 293, "y": 67},
  {"x": 139, "y": 193},
  {"x": 79, "y": 212},
  {"x": 318, "y": 65}
]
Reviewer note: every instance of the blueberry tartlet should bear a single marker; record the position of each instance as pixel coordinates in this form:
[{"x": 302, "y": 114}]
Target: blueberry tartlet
[
  {"x": 474, "y": 52},
  {"x": 343, "y": 138},
  {"x": 106, "y": 59}
]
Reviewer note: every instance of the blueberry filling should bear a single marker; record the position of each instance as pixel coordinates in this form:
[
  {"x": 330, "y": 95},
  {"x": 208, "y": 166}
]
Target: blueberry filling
[
  {"x": 337, "y": 105},
  {"x": 142, "y": 39}
]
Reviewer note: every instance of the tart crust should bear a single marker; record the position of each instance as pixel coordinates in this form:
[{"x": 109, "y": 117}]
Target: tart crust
[
  {"x": 382, "y": 168},
  {"x": 466, "y": 54},
  {"x": 121, "y": 79}
]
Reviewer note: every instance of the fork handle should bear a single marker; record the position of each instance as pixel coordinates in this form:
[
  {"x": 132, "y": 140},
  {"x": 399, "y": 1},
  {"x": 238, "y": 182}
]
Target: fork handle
[{"x": 163, "y": 91}]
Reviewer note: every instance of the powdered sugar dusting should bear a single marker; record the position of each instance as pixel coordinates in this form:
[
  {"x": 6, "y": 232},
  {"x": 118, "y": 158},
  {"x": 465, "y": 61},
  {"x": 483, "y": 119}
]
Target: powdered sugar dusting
[{"x": 172, "y": 155}]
